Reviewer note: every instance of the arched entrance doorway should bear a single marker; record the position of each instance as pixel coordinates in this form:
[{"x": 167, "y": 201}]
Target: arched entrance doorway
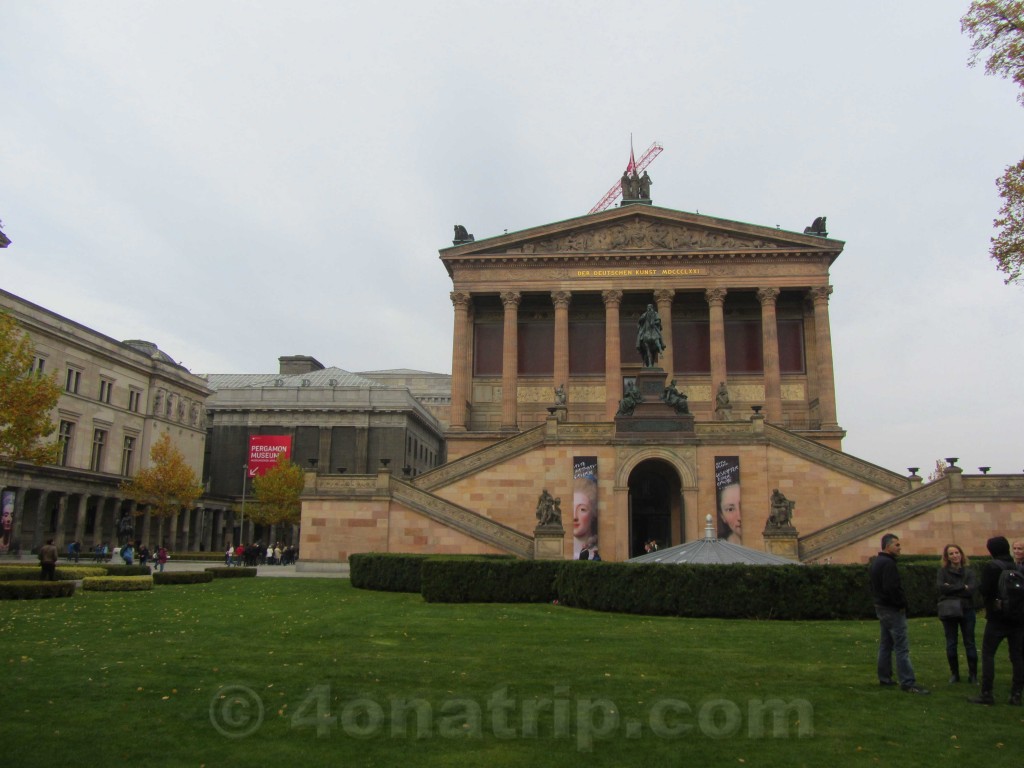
[{"x": 655, "y": 506}]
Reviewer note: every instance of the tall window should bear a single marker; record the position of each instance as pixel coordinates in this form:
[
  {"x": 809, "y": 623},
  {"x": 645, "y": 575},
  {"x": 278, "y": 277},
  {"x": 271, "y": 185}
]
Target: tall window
[
  {"x": 74, "y": 378},
  {"x": 64, "y": 435},
  {"x": 38, "y": 365},
  {"x": 126, "y": 455},
  {"x": 134, "y": 399},
  {"x": 99, "y": 442},
  {"x": 106, "y": 388}
]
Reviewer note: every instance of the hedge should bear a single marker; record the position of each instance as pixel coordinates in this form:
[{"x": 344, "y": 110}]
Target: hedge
[
  {"x": 722, "y": 591},
  {"x": 118, "y": 584},
  {"x": 182, "y": 577},
  {"x": 35, "y": 590},
  {"x": 127, "y": 570},
  {"x": 224, "y": 572},
  {"x": 63, "y": 572}
]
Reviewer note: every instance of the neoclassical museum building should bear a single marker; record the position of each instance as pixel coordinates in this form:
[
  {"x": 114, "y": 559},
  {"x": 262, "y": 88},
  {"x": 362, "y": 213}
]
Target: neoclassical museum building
[{"x": 549, "y": 393}]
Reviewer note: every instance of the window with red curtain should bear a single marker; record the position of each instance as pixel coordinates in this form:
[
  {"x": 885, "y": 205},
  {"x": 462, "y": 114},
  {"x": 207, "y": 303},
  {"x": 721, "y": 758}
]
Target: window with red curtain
[
  {"x": 536, "y": 348},
  {"x": 691, "y": 346},
  {"x": 743, "y": 349},
  {"x": 791, "y": 346},
  {"x": 586, "y": 347},
  {"x": 487, "y": 341}
]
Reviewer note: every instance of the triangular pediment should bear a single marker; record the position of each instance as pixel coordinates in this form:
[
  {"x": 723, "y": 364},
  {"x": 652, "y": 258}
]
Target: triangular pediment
[{"x": 640, "y": 228}]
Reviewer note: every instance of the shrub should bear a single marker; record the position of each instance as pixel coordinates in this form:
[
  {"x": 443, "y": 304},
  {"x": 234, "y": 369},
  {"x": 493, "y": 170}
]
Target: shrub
[
  {"x": 182, "y": 577},
  {"x": 127, "y": 570},
  {"x": 35, "y": 590},
  {"x": 224, "y": 572},
  {"x": 386, "y": 571},
  {"x": 117, "y": 584},
  {"x": 480, "y": 580},
  {"x": 63, "y": 572}
]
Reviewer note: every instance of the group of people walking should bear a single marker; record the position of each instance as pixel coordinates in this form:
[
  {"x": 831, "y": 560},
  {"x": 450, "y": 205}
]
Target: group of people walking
[
  {"x": 254, "y": 554},
  {"x": 958, "y": 588}
]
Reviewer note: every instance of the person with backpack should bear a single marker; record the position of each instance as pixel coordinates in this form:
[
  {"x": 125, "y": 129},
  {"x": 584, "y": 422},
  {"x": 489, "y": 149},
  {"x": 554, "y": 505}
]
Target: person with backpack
[
  {"x": 957, "y": 585},
  {"x": 1002, "y": 587}
]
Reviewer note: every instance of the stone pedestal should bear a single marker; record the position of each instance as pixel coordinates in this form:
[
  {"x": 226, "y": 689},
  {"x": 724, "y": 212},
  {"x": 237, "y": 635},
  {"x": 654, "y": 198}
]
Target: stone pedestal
[
  {"x": 653, "y": 414},
  {"x": 547, "y": 542},
  {"x": 783, "y": 542},
  {"x": 558, "y": 412}
]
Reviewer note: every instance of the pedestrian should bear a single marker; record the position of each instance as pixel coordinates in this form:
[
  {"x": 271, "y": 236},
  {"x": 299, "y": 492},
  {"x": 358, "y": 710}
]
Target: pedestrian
[
  {"x": 227, "y": 554},
  {"x": 48, "y": 561},
  {"x": 161, "y": 557},
  {"x": 891, "y": 610},
  {"x": 957, "y": 586},
  {"x": 998, "y": 626},
  {"x": 128, "y": 553}
]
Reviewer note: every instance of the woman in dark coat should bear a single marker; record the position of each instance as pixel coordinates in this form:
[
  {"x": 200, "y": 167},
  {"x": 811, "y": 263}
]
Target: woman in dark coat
[{"x": 957, "y": 585}]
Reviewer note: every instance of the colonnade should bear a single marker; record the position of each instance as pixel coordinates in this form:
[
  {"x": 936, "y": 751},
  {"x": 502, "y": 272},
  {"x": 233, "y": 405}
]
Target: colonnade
[{"x": 462, "y": 349}]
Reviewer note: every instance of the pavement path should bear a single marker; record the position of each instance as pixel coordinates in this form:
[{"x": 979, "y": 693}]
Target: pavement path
[{"x": 299, "y": 570}]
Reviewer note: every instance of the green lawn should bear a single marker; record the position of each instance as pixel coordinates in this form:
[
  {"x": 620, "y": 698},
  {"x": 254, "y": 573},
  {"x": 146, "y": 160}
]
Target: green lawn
[{"x": 310, "y": 672}]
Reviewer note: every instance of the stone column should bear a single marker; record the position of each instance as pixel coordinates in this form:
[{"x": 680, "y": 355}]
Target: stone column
[
  {"x": 62, "y": 510},
  {"x": 561, "y": 301},
  {"x": 83, "y": 504},
  {"x": 147, "y": 522},
  {"x": 97, "y": 526},
  {"x": 663, "y": 297},
  {"x": 612, "y": 353},
  {"x": 186, "y": 528},
  {"x": 823, "y": 350},
  {"x": 461, "y": 352},
  {"x": 39, "y": 534},
  {"x": 215, "y": 538},
  {"x": 770, "y": 354},
  {"x": 510, "y": 362},
  {"x": 715, "y": 298}
]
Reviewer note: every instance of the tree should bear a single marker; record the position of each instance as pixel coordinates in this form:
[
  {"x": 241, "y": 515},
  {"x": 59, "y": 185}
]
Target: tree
[
  {"x": 168, "y": 484},
  {"x": 939, "y": 472},
  {"x": 996, "y": 28},
  {"x": 27, "y": 400},
  {"x": 277, "y": 493}
]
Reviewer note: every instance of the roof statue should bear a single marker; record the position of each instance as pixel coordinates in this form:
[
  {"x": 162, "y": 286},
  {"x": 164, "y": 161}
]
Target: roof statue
[
  {"x": 817, "y": 228},
  {"x": 462, "y": 236}
]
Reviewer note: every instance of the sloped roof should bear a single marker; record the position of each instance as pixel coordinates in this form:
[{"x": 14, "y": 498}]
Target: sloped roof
[
  {"x": 711, "y": 551},
  {"x": 324, "y": 378}
]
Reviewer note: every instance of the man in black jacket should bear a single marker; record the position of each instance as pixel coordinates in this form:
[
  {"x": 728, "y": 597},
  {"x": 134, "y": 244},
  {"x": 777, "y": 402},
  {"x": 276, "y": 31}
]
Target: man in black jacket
[
  {"x": 891, "y": 609},
  {"x": 998, "y": 626}
]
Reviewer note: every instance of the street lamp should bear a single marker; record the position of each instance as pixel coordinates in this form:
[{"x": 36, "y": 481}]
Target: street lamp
[{"x": 241, "y": 524}]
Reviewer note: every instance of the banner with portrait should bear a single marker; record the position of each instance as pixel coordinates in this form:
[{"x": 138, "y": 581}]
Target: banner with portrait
[
  {"x": 6, "y": 520},
  {"x": 727, "y": 499},
  {"x": 584, "y": 508}
]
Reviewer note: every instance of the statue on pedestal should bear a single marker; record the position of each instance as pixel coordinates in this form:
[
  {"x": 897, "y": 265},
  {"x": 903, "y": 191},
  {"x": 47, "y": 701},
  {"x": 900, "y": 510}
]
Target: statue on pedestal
[
  {"x": 675, "y": 398},
  {"x": 649, "y": 341},
  {"x": 630, "y": 400},
  {"x": 781, "y": 515},
  {"x": 549, "y": 510}
]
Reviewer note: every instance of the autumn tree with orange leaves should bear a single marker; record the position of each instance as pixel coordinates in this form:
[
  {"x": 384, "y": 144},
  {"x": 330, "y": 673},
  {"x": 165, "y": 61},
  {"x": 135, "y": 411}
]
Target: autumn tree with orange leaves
[
  {"x": 277, "y": 493},
  {"x": 168, "y": 485},
  {"x": 27, "y": 400}
]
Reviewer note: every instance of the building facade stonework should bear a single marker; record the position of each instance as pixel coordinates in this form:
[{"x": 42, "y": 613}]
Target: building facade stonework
[{"x": 745, "y": 317}]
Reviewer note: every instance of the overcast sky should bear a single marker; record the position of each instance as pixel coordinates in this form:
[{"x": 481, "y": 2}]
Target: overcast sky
[{"x": 237, "y": 181}]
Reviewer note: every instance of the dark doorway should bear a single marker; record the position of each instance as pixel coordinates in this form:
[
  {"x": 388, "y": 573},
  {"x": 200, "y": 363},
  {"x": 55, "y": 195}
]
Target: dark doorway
[{"x": 655, "y": 506}]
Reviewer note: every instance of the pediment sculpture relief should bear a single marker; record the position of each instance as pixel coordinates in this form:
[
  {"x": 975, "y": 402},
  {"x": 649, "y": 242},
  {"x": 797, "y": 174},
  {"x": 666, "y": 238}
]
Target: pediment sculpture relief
[{"x": 641, "y": 235}]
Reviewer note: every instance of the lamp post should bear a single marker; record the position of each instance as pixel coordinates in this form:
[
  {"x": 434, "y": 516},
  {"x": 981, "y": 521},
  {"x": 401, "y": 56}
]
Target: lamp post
[{"x": 241, "y": 524}]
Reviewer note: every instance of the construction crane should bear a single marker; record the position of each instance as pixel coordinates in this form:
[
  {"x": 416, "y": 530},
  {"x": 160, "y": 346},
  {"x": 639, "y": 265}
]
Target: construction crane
[{"x": 613, "y": 194}]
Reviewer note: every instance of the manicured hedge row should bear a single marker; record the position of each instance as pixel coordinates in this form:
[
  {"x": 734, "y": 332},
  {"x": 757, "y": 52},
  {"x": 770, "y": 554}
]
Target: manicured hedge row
[
  {"x": 387, "y": 572},
  {"x": 118, "y": 584},
  {"x": 182, "y": 577},
  {"x": 63, "y": 572},
  {"x": 460, "y": 580},
  {"x": 723, "y": 591},
  {"x": 224, "y": 572},
  {"x": 127, "y": 570},
  {"x": 35, "y": 590}
]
